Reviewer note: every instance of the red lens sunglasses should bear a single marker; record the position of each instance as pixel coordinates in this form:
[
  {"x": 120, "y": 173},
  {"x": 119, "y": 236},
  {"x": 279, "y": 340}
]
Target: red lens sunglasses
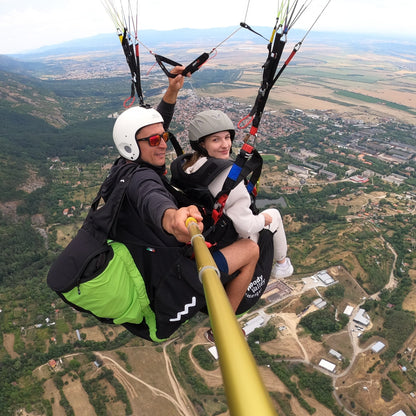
[{"x": 155, "y": 139}]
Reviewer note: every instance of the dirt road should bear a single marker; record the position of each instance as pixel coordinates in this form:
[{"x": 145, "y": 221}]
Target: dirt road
[{"x": 180, "y": 401}]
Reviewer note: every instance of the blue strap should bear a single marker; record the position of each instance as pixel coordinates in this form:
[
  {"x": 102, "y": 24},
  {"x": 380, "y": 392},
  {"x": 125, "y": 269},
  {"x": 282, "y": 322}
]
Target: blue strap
[{"x": 234, "y": 172}]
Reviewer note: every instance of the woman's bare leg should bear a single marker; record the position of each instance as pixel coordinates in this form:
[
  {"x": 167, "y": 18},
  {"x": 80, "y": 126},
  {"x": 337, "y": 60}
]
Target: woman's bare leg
[{"x": 243, "y": 256}]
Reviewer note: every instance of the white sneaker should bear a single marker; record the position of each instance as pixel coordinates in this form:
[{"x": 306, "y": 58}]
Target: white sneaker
[{"x": 280, "y": 271}]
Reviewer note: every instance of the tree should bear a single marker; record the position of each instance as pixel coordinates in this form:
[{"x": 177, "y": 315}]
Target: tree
[
  {"x": 335, "y": 292},
  {"x": 74, "y": 365},
  {"x": 322, "y": 322}
]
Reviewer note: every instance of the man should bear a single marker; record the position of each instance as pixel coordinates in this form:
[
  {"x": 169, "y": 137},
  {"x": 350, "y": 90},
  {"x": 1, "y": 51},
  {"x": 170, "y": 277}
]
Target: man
[
  {"x": 152, "y": 225},
  {"x": 129, "y": 263}
]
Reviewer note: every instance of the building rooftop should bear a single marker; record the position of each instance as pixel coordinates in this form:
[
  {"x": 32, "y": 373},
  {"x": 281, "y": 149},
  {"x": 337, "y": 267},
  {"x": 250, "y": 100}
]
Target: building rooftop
[{"x": 377, "y": 347}]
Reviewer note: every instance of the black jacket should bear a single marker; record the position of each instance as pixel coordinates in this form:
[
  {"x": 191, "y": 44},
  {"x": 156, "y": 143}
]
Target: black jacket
[{"x": 146, "y": 200}]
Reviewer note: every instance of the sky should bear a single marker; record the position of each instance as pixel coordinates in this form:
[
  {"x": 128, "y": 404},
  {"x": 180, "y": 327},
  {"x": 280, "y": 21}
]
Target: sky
[{"x": 29, "y": 24}]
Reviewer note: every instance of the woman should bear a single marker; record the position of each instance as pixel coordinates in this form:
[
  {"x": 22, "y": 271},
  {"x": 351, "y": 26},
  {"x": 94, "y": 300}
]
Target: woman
[{"x": 211, "y": 135}]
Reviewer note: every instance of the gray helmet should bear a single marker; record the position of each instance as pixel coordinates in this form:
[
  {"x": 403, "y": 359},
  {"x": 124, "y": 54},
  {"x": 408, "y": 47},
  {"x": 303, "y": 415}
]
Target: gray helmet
[
  {"x": 206, "y": 123},
  {"x": 126, "y": 127}
]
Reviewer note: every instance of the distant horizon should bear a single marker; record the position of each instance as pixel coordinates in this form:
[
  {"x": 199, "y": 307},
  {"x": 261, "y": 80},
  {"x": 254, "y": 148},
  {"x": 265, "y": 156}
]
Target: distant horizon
[
  {"x": 373, "y": 36},
  {"x": 27, "y": 25}
]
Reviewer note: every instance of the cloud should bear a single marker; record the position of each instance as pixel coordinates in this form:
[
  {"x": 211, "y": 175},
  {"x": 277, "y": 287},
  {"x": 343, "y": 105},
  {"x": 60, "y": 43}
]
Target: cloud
[{"x": 41, "y": 23}]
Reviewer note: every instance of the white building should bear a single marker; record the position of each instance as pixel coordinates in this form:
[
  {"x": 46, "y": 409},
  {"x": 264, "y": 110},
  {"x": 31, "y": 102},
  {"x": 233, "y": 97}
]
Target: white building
[
  {"x": 327, "y": 365},
  {"x": 348, "y": 310},
  {"x": 319, "y": 303},
  {"x": 399, "y": 413},
  {"x": 299, "y": 170},
  {"x": 325, "y": 278},
  {"x": 377, "y": 347},
  {"x": 362, "y": 317},
  {"x": 213, "y": 351},
  {"x": 253, "y": 324},
  {"x": 336, "y": 354}
]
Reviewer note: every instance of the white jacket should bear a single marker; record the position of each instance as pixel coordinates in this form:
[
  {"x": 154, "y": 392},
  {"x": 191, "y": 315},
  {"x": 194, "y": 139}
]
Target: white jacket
[{"x": 237, "y": 206}]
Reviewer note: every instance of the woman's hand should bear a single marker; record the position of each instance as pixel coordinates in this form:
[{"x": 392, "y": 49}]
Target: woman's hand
[{"x": 267, "y": 219}]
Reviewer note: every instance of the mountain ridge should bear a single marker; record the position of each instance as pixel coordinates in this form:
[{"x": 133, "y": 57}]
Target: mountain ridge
[{"x": 209, "y": 37}]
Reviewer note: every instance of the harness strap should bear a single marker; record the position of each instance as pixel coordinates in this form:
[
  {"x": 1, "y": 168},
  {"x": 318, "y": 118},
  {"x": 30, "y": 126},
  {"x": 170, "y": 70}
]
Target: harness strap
[
  {"x": 247, "y": 162},
  {"x": 133, "y": 61},
  {"x": 196, "y": 64},
  {"x": 287, "y": 16},
  {"x": 161, "y": 60},
  {"x": 290, "y": 57},
  {"x": 189, "y": 69},
  {"x": 269, "y": 70},
  {"x": 108, "y": 214},
  {"x": 176, "y": 145}
]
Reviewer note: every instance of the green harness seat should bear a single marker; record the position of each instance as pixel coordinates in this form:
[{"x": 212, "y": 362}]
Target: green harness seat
[{"x": 124, "y": 299}]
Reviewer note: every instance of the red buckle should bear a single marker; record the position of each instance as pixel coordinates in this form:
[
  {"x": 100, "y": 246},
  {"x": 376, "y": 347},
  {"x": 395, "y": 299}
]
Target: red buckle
[
  {"x": 216, "y": 215},
  {"x": 222, "y": 199},
  {"x": 247, "y": 148}
]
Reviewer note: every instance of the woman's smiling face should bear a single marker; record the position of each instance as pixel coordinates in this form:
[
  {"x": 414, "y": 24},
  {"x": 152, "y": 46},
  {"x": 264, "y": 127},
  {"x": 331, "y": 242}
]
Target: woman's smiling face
[{"x": 218, "y": 144}]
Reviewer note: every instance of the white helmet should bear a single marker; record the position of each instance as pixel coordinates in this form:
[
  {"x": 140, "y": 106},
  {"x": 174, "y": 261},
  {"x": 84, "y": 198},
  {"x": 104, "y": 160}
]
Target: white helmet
[{"x": 128, "y": 124}]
